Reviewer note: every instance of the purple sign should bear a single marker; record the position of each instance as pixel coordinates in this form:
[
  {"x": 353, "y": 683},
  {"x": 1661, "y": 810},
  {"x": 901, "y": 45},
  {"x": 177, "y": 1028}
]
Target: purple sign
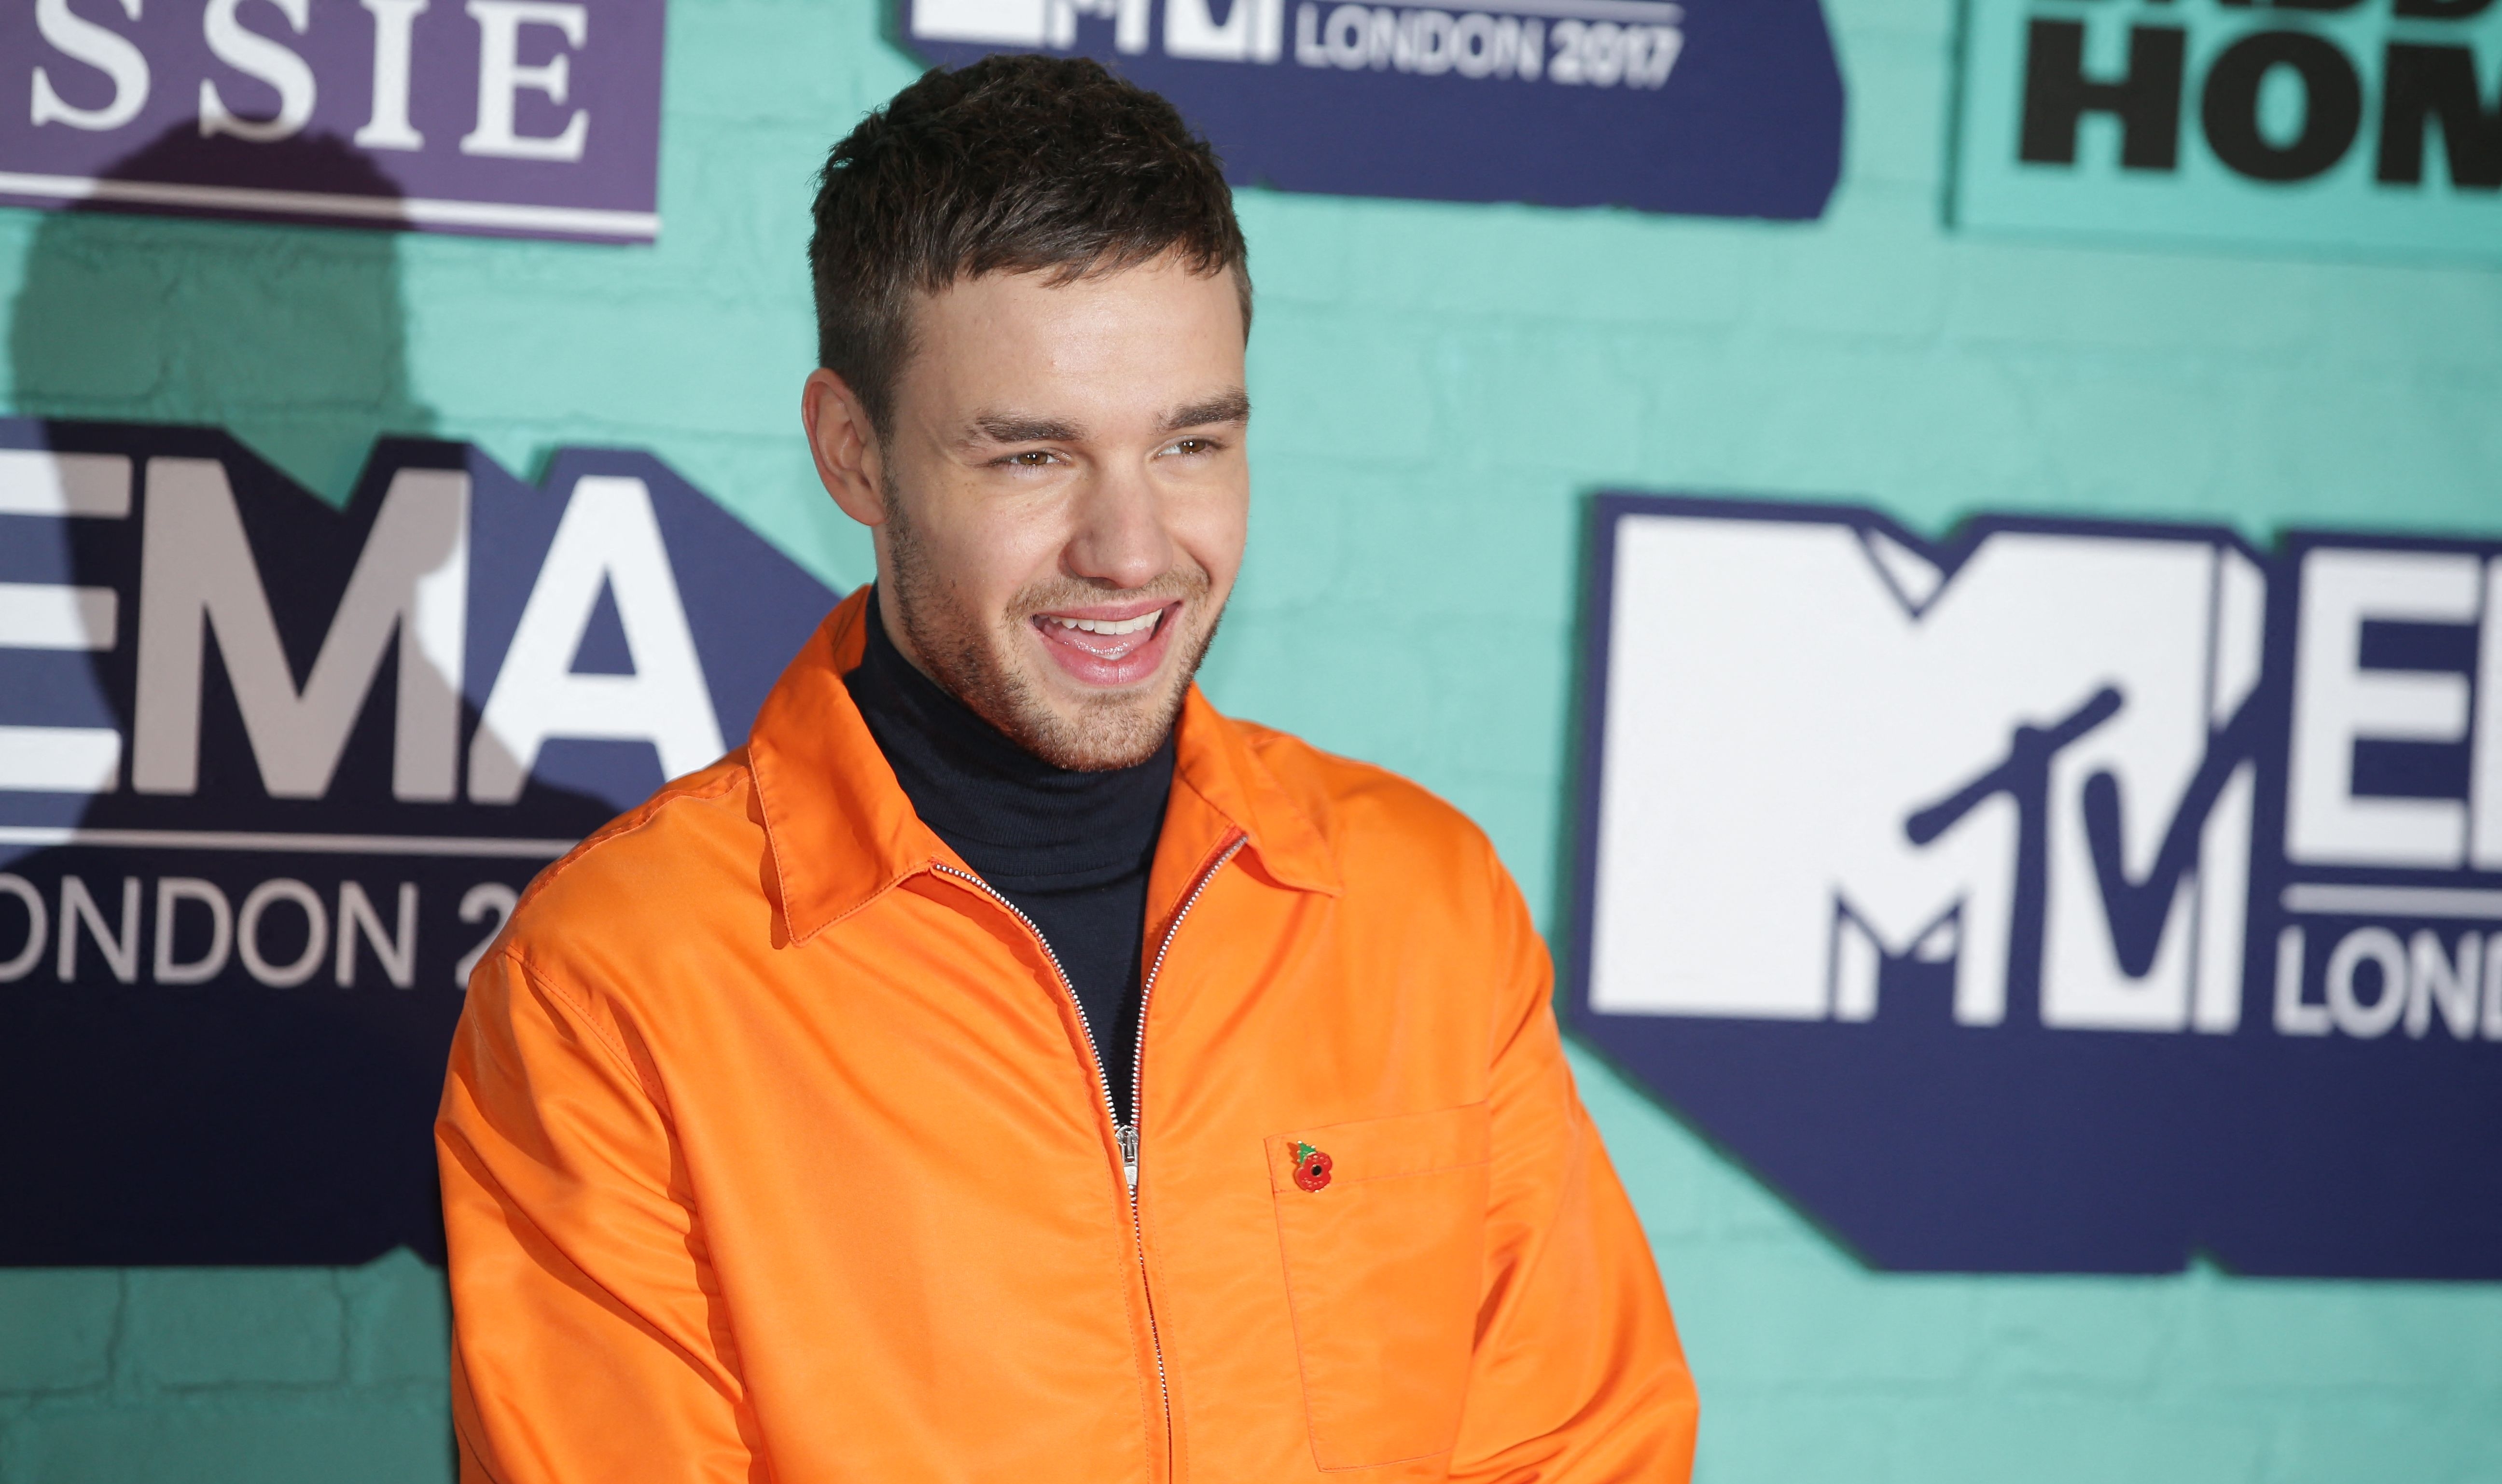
[
  {"x": 2069, "y": 897},
  {"x": 511, "y": 118},
  {"x": 1716, "y": 108},
  {"x": 271, "y": 777}
]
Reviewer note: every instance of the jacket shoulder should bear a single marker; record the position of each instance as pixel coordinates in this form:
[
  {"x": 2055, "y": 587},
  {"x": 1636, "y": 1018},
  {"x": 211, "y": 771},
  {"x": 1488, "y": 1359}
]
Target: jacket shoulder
[
  {"x": 691, "y": 842},
  {"x": 1438, "y": 906},
  {"x": 1363, "y": 809}
]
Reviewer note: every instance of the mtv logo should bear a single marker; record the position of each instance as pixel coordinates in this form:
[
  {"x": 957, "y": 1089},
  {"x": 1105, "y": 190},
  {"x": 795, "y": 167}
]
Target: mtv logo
[
  {"x": 2069, "y": 897},
  {"x": 1030, "y": 24},
  {"x": 1832, "y": 754},
  {"x": 1559, "y": 102}
]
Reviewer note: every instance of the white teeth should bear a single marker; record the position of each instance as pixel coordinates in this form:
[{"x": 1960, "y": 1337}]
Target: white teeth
[{"x": 1139, "y": 624}]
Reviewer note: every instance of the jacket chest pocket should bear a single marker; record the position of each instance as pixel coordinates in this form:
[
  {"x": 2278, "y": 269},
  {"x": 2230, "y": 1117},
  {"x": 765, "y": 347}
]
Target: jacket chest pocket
[{"x": 1382, "y": 1228}]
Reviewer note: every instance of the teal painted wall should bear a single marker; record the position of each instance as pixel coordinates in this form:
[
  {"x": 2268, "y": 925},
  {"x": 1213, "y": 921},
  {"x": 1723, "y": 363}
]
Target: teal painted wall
[{"x": 1439, "y": 390}]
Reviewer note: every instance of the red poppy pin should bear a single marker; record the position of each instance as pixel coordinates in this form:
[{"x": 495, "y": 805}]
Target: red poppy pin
[{"x": 1311, "y": 1169}]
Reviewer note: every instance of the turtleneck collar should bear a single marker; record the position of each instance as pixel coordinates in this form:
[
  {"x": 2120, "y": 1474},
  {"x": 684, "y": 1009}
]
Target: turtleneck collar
[{"x": 1017, "y": 820}]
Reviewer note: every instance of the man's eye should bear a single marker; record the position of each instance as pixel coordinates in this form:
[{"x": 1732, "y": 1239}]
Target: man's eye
[
  {"x": 1193, "y": 446},
  {"x": 1028, "y": 459}
]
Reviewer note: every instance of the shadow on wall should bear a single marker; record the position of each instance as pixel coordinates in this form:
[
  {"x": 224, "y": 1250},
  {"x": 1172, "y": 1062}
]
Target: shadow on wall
[
  {"x": 151, "y": 1125},
  {"x": 292, "y": 339},
  {"x": 163, "y": 1106}
]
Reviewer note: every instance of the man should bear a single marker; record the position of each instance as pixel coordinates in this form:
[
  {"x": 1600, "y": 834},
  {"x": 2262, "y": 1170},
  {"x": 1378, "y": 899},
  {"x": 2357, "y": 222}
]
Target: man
[{"x": 1004, "y": 1068}]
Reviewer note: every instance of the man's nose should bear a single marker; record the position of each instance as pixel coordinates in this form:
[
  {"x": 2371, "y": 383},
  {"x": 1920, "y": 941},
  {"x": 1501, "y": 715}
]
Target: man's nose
[{"x": 1119, "y": 539}]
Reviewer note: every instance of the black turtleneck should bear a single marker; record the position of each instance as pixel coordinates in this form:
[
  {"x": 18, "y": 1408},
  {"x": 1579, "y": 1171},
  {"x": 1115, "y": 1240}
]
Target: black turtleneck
[{"x": 1072, "y": 849}]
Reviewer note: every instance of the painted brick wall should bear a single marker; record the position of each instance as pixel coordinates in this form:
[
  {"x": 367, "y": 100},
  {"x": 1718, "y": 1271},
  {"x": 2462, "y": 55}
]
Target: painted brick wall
[
  {"x": 249, "y": 1375},
  {"x": 1439, "y": 391}
]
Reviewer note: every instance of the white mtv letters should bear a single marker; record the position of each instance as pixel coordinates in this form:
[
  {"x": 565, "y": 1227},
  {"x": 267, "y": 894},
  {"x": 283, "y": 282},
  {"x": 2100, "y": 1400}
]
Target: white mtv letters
[
  {"x": 2339, "y": 702},
  {"x": 196, "y": 570},
  {"x": 1029, "y": 23},
  {"x": 1821, "y": 751},
  {"x": 989, "y": 23},
  {"x": 1254, "y": 31},
  {"x": 608, "y": 537}
]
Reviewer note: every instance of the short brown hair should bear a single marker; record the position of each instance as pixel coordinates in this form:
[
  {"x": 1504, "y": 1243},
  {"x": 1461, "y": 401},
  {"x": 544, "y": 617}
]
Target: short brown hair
[{"x": 1013, "y": 164}]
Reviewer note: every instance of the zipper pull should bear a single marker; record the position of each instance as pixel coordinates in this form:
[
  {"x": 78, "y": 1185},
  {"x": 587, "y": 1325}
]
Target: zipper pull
[{"x": 1128, "y": 1133}]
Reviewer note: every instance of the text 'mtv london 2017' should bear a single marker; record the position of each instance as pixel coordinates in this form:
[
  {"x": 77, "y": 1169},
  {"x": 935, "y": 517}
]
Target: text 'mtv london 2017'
[{"x": 1721, "y": 108}]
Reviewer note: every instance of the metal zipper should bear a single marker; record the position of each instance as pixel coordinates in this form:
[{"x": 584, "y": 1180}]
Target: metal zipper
[
  {"x": 1129, "y": 1135},
  {"x": 1147, "y": 991},
  {"x": 1125, "y": 1133},
  {"x": 1138, "y": 1118}
]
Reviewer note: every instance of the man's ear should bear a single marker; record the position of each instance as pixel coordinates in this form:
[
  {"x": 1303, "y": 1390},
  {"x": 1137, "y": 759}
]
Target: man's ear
[{"x": 845, "y": 447}]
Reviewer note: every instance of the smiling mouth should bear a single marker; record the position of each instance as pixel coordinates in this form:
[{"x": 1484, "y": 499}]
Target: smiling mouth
[
  {"x": 1109, "y": 640},
  {"x": 1112, "y": 647}
]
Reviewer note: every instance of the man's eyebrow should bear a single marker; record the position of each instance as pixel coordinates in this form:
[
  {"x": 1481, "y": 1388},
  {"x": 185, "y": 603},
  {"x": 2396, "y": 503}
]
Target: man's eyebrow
[
  {"x": 1225, "y": 406},
  {"x": 1021, "y": 428}
]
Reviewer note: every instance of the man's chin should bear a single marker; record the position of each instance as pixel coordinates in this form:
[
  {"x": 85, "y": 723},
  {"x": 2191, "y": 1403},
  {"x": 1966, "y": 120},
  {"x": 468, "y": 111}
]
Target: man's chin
[
  {"x": 1054, "y": 711},
  {"x": 1101, "y": 730}
]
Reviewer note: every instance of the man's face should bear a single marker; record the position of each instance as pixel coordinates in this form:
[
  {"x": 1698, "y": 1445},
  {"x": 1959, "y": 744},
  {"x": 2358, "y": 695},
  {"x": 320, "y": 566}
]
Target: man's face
[{"x": 1065, "y": 498}]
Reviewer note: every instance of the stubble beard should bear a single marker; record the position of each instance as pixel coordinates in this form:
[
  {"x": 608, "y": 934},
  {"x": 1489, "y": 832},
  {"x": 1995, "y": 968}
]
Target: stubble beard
[{"x": 973, "y": 657}]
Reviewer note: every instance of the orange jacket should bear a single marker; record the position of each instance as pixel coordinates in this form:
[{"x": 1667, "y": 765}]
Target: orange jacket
[{"x": 773, "y": 1149}]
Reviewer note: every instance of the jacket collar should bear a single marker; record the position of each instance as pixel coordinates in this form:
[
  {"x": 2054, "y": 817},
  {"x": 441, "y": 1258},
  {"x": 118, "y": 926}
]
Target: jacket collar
[
  {"x": 1214, "y": 761},
  {"x": 840, "y": 831}
]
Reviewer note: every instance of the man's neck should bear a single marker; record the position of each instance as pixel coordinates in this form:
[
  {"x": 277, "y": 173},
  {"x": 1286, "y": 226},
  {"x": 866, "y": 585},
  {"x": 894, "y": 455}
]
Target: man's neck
[
  {"x": 1070, "y": 851},
  {"x": 1007, "y": 811}
]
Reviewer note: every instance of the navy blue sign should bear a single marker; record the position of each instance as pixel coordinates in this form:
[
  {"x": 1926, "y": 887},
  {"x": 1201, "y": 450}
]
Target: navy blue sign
[
  {"x": 1721, "y": 108},
  {"x": 271, "y": 777},
  {"x": 528, "y": 118},
  {"x": 2072, "y": 897}
]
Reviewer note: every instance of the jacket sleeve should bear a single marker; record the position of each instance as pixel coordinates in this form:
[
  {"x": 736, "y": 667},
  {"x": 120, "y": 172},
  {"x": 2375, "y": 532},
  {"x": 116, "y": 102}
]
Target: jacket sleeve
[
  {"x": 1577, "y": 1375},
  {"x": 588, "y": 1339}
]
